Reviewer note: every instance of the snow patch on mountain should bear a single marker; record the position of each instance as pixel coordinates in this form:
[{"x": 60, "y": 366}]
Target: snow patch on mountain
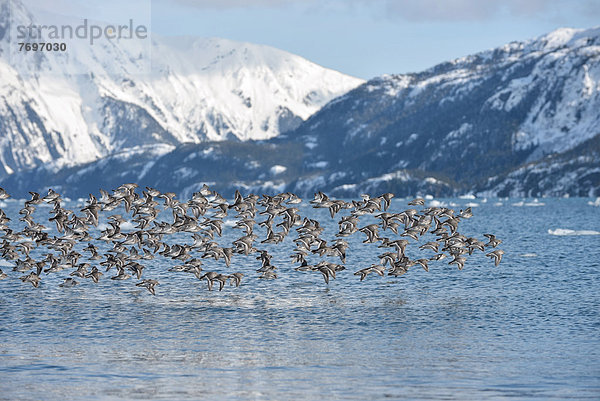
[{"x": 198, "y": 89}]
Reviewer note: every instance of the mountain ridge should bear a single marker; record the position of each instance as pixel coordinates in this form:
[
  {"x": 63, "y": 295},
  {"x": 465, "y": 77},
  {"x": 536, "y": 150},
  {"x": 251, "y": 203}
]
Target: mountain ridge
[
  {"x": 198, "y": 89},
  {"x": 468, "y": 119},
  {"x": 505, "y": 121}
]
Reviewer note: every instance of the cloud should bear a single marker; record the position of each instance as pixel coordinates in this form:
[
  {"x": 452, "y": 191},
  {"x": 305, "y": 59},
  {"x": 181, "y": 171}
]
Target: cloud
[
  {"x": 241, "y": 3},
  {"x": 422, "y": 10},
  {"x": 456, "y": 10}
]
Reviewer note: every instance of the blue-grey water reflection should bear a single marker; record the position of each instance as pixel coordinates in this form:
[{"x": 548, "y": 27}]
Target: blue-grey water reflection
[{"x": 526, "y": 329}]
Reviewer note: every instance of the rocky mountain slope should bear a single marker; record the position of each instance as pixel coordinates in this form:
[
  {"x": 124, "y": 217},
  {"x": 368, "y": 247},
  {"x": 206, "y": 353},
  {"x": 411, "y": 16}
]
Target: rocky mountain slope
[
  {"x": 469, "y": 119},
  {"x": 575, "y": 172}
]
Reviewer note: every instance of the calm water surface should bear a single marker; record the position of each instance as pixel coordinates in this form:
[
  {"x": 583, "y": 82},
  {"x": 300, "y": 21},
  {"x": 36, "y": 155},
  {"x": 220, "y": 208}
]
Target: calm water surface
[{"x": 528, "y": 329}]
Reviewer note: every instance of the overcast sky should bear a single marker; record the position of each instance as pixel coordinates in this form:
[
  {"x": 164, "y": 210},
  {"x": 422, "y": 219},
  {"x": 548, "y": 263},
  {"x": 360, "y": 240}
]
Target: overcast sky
[{"x": 364, "y": 38}]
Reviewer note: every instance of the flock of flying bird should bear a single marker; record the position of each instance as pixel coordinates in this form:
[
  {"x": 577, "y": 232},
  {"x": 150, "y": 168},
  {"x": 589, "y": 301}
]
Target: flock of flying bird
[{"x": 201, "y": 218}]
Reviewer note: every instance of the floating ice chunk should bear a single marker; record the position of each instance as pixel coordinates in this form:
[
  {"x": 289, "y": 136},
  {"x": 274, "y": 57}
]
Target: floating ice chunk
[
  {"x": 437, "y": 203},
  {"x": 595, "y": 203},
  {"x": 532, "y": 204},
  {"x": 535, "y": 203},
  {"x": 277, "y": 169},
  {"x": 566, "y": 231}
]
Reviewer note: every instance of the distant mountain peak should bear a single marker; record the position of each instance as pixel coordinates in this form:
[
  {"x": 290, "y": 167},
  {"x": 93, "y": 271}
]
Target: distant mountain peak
[{"x": 567, "y": 37}]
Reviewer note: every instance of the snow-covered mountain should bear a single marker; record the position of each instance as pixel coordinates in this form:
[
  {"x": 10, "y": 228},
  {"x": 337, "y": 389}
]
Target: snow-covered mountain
[
  {"x": 198, "y": 89},
  {"x": 522, "y": 119},
  {"x": 466, "y": 120}
]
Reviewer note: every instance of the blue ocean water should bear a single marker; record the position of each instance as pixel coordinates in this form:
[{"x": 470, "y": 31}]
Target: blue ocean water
[{"x": 527, "y": 329}]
